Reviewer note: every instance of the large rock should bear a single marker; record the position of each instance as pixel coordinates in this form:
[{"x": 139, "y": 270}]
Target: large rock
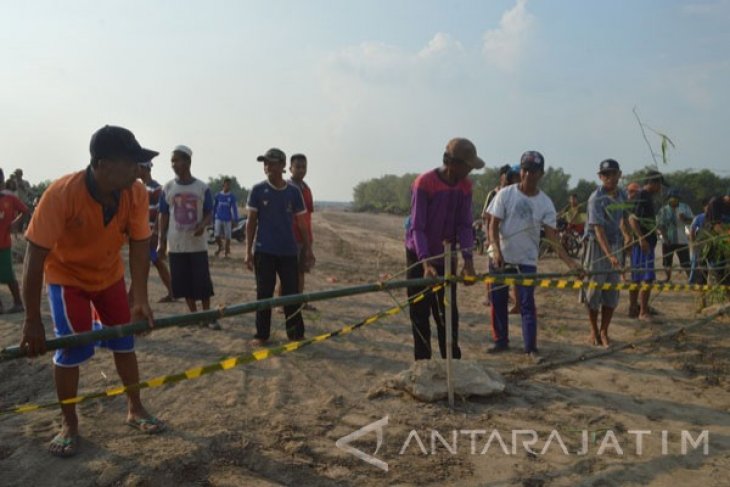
[{"x": 426, "y": 380}]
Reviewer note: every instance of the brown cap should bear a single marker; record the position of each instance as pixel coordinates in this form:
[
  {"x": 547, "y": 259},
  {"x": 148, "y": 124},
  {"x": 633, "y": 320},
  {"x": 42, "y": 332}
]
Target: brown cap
[{"x": 464, "y": 150}]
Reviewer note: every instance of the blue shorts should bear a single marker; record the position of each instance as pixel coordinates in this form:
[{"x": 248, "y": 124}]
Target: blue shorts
[
  {"x": 153, "y": 255},
  {"x": 642, "y": 264},
  {"x": 75, "y": 310}
]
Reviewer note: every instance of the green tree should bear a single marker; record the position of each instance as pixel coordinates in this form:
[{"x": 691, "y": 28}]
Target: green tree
[
  {"x": 37, "y": 190},
  {"x": 555, "y": 184},
  {"x": 216, "y": 185},
  {"x": 583, "y": 189}
]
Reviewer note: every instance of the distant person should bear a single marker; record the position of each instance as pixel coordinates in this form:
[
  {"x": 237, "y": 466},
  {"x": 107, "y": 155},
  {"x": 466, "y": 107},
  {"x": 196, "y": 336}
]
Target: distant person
[
  {"x": 606, "y": 232},
  {"x": 643, "y": 223},
  {"x": 717, "y": 235},
  {"x": 298, "y": 170},
  {"x": 154, "y": 191},
  {"x": 507, "y": 175},
  {"x": 225, "y": 209},
  {"x": 186, "y": 210},
  {"x": 23, "y": 191},
  {"x": 574, "y": 215},
  {"x": 271, "y": 248},
  {"x": 441, "y": 210},
  {"x": 518, "y": 213},
  {"x": 632, "y": 189},
  {"x": 671, "y": 221},
  {"x": 22, "y": 187},
  {"x": 12, "y": 212},
  {"x": 504, "y": 173},
  {"x": 74, "y": 241}
]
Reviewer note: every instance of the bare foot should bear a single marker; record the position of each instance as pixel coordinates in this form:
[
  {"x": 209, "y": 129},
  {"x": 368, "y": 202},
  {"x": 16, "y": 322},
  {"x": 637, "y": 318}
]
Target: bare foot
[
  {"x": 593, "y": 340},
  {"x": 604, "y": 339}
]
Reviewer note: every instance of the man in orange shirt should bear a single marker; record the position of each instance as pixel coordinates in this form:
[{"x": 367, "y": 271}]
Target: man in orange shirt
[{"x": 74, "y": 239}]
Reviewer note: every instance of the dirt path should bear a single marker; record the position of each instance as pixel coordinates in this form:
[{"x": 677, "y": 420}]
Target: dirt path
[{"x": 275, "y": 422}]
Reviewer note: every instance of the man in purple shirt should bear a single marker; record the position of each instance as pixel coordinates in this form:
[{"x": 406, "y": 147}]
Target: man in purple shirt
[{"x": 440, "y": 211}]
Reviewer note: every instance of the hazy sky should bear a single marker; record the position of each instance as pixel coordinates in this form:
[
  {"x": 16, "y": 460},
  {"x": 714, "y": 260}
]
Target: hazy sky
[{"x": 364, "y": 88}]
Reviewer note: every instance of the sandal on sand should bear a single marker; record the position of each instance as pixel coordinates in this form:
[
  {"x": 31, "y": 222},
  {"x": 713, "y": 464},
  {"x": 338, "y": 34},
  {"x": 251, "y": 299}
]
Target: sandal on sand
[
  {"x": 63, "y": 447},
  {"x": 167, "y": 299},
  {"x": 150, "y": 426}
]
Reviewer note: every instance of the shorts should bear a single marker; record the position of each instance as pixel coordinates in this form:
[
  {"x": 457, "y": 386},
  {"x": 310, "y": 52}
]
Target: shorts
[
  {"x": 7, "y": 274},
  {"x": 596, "y": 261},
  {"x": 190, "y": 275},
  {"x": 222, "y": 229},
  {"x": 642, "y": 264},
  {"x": 75, "y": 310}
]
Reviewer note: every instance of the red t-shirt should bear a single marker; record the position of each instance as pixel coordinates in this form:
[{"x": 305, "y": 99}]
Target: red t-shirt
[
  {"x": 10, "y": 207},
  {"x": 309, "y": 205}
]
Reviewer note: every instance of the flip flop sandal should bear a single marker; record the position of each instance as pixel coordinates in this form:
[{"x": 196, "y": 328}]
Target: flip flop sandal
[
  {"x": 149, "y": 426},
  {"x": 68, "y": 446}
]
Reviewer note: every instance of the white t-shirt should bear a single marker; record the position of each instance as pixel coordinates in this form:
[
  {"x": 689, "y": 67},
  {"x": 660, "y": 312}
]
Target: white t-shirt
[
  {"x": 522, "y": 218},
  {"x": 186, "y": 204}
]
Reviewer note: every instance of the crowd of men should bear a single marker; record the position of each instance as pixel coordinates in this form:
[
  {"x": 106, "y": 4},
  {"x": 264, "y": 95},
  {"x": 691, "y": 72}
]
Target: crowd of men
[
  {"x": 619, "y": 223},
  {"x": 83, "y": 220},
  {"x": 79, "y": 226}
]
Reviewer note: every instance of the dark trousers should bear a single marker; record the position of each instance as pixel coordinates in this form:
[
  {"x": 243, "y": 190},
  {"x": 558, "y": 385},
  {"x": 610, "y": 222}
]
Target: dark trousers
[
  {"x": 267, "y": 267},
  {"x": 420, "y": 313},
  {"x": 682, "y": 251}
]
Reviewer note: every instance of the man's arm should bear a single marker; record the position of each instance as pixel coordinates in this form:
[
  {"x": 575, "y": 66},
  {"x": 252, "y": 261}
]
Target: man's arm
[
  {"x": 234, "y": 209},
  {"x": 605, "y": 247},
  {"x": 139, "y": 269},
  {"x": 164, "y": 223},
  {"x": 634, "y": 222},
  {"x": 251, "y": 225},
  {"x": 494, "y": 225},
  {"x": 34, "y": 334},
  {"x": 304, "y": 232}
]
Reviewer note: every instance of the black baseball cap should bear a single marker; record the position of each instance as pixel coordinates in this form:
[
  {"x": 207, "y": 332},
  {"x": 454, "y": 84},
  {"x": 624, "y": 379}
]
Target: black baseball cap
[
  {"x": 505, "y": 169},
  {"x": 273, "y": 155},
  {"x": 111, "y": 142},
  {"x": 532, "y": 160},
  {"x": 608, "y": 165}
]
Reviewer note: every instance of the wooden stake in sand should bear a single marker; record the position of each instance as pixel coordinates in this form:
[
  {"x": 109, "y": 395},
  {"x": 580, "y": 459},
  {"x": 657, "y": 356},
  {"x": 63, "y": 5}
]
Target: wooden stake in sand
[{"x": 447, "y": 314}]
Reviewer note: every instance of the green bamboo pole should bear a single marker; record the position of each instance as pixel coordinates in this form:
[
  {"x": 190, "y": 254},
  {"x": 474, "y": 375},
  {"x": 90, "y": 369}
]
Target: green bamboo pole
[
  {"x": 15, "y": 352},
  {"x": 107, "y": 333}
]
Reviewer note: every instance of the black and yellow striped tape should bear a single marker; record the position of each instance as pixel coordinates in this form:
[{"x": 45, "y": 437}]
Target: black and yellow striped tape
[
  {"x": 579, "y": 284},
  {"x": 225, "y": 364}
]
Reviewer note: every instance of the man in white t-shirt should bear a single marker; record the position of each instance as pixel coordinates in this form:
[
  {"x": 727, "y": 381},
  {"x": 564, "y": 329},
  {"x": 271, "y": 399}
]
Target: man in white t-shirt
[
  {"x": 186, "y": 210},
  {"x": 518, "y": 212}
]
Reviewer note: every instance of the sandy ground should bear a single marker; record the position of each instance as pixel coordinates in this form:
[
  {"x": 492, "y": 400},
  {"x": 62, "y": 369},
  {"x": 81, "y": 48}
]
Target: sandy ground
[{"x": 275, "y": 422}]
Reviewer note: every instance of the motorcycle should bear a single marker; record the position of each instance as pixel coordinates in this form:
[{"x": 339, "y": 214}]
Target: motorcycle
[{"x": 238, "y": 231}]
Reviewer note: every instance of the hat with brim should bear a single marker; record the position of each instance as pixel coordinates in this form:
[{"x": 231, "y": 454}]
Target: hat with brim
[
  {"x": 273, "y": 155},
  {"x": 464, "y": 150},
  {"x": 532, "y": 160},
  {"x": 111, "y": 142},
  {"x": 608, "y": 166}
]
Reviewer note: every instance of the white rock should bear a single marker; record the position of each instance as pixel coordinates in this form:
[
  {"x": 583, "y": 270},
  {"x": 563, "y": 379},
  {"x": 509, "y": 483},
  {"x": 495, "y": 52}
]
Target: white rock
[{"x": 426, "y": 380}]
